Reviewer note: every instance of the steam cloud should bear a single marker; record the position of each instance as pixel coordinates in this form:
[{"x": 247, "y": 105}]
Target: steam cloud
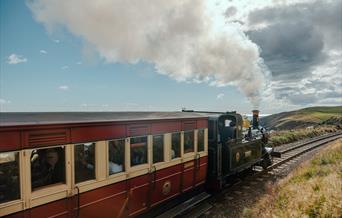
[{"x": 176, "y": 36}]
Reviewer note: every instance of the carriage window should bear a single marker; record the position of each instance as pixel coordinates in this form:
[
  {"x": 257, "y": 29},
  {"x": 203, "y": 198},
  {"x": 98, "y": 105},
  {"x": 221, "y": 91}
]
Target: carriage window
[
  {"x": 176, "y": 144},
  {"x": 188, "y": 141},
  {"x": 116, "y": 156},
  {"x": 211, "y": 129},
  {"x": 200, "y": 140},
  {"x": 9, "y": 177},
  {"x": 84, "y": 162},
  {"x": 138, "y": 150},
  {"x": 158, "y": 148},
  {"x": 47, "y": 167}
]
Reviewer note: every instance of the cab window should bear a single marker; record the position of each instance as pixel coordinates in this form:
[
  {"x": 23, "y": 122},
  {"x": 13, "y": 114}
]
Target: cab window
[
  {"x": 47, "y": 167},
  {"x": 176, "y": 145},
  {"x": 200, "y": 141},
  {"x": 9, "y": 176},
  {"x": 84, "y": 155},
  {"x": 188, "y": 141},
  {"x": 158, "y": 148},
  {"x": 116, "y": 156},
  {"x": 138, "y": 147}
]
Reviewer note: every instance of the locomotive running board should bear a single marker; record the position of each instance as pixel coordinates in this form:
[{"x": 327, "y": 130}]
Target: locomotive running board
[
  {"x": 185, "y": 206},
  {"x": 276, "y": 154}
]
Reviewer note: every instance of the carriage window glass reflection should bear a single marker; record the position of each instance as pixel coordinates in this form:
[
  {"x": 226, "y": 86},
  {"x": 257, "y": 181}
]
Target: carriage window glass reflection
[
  {"x": 9, "y": 177},
  {"x": 84, "y": 162},
  {"x": 188, "y": 141},
  {"x": 158, "y": 148},
  {"x": 116, "y": 156},
  {"x": 47, "y": 167},
  {"x": 200, "y": 141},
  {"x": 138, "y": 150},
  {"x": 175, "y": 145}
]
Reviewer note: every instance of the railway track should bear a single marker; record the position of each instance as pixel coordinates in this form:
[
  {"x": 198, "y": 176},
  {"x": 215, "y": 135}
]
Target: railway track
[{"x": 203, "y": 202}]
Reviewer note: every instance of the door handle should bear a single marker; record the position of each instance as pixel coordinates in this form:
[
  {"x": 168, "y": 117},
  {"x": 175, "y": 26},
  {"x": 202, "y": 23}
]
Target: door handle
[
  {"x": 153, "y": 172},
  {"x": 197, "y": 158}
]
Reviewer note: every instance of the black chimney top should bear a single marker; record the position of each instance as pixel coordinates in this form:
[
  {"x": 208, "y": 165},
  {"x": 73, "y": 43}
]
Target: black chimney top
[{"x": 255, "y": 119}]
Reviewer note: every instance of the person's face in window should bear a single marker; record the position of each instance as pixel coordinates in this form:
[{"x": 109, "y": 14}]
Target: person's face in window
[{"x": 52, "y": 158}]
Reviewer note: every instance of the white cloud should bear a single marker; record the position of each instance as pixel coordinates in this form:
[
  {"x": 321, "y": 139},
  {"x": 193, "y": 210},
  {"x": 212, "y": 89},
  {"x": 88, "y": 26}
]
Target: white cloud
[
  {"x": 178, "y": 37},
  {"x": 56, "y": 41},
  {"x": 79, "y": 63},
  {"x": 43, "y": 51},
  {"x": 63, "y": 87},
  {"x": 4, "y": 101},
  {"x": 16, "y": 59},
  {"x": 65, "y": 67},
  {"x": 220, "y": 96}
]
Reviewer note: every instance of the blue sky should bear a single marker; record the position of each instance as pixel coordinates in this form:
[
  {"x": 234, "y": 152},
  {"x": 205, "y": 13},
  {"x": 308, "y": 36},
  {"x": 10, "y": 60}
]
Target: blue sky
[{"x": 66, "y": 70}]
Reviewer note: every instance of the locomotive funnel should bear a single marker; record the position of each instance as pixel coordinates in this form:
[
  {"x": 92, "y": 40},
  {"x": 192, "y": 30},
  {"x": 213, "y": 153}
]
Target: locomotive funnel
[{"x": 255, "y": 119}]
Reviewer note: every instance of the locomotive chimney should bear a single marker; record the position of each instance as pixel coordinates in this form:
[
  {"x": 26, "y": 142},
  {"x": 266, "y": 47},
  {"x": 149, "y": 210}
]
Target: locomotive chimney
[{"x": 255, "y": 119}]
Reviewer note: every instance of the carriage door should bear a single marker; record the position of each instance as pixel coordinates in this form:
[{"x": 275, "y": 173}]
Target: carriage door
[
  {"x": 139, "y": 172},
  {"x": 190, "y": 159}
]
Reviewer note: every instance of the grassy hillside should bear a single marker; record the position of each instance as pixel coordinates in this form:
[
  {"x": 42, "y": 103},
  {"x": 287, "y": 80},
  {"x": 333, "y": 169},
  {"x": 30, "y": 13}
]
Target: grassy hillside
[
  {"x": 312, "y": 190},
  {"x": 303, "y": 118}
]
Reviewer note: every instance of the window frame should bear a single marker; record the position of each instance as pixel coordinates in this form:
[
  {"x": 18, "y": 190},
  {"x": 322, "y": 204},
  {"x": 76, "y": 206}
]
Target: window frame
[
  {"x": 204, "y": 140},
  {"x": 181, "y": 146},
  {"x": 51, "y": 192},
  {"x": 118, "y": 174},
  {"x": 189, "y": 154},
  {"x": 165, "y": 159},
  {"x": 141, "y": 169},
  {"x": 16, "y": 204},
  {"x": 96, "y": 169},
  {"x": 148, "y": 151}
]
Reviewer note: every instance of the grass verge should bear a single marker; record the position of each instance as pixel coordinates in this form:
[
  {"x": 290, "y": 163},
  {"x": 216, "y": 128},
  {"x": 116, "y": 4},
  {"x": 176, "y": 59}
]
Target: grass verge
[
  {"x": 314, "y": 189},
  {"x": 288, "y": 136}
]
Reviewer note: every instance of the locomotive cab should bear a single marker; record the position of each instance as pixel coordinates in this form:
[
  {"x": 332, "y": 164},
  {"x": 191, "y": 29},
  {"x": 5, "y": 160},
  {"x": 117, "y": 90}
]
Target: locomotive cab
[{"x": 229, "y": 128}]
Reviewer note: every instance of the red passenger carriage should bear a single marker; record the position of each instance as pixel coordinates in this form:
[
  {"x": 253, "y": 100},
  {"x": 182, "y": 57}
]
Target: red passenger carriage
[{"x": 103, "y": 164}]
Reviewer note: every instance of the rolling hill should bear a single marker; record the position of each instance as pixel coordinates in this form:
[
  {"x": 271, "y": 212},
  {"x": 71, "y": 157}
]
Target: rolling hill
[{"x": 303, "y": 118}]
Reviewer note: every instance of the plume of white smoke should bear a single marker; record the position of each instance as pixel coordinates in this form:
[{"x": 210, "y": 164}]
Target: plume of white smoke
[{"x": 175, "y": 36}]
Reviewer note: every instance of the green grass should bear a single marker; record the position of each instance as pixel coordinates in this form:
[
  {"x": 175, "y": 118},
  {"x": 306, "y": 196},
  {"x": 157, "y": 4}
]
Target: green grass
[
  {"x": 302, "y": 118},
  {"x": 288, "y": 136},
  {"x": 334, "y": 110}
]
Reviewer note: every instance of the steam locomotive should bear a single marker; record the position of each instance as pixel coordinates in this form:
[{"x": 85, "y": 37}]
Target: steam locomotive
[
  {"x": 119, "y": 164},
  {"x": 234, "y": 147}
]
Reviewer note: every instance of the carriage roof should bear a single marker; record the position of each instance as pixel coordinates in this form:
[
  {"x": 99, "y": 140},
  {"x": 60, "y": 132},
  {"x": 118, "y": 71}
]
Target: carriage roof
[{"x": 41, "y": 118}]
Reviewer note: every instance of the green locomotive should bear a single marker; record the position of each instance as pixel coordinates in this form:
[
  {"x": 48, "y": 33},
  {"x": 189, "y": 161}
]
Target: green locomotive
[{"x": 232, "y": 148}]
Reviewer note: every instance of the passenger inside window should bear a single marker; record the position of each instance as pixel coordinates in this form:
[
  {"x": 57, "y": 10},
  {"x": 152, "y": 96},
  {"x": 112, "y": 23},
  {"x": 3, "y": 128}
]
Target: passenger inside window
[
  {"x": 9, "y": 177},
  {"x": 47, "y": 167},
  {"x": 188, "y": 141},
  {"x": 158, "y": 148},
  {"x": 200, "y": 140},
  {"x": 176, "y": 144},
  {"x": 84, "y": 162},
  {"x": 116, "y": 156},
  {"x": 138, "y": 150}
]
